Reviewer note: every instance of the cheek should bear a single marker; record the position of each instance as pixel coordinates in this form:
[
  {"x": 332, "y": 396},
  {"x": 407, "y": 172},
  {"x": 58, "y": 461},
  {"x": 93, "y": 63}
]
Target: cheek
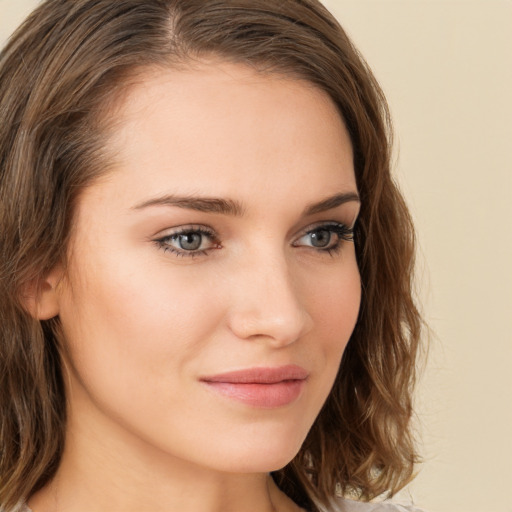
[
  {"x": 333, "y": 300},
  {"x": 124, "y": 325}
]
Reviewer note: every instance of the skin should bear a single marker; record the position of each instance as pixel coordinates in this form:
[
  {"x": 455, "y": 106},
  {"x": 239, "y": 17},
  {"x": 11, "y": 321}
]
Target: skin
[{"x": 142, "y": 324}]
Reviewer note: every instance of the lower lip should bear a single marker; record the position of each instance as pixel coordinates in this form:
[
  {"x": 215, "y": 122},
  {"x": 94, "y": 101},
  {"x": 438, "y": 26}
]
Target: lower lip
[{"x": 267, "y": 396}]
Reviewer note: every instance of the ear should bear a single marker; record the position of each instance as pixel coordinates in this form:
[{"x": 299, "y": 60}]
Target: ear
[{"x": 41, "y": 296}]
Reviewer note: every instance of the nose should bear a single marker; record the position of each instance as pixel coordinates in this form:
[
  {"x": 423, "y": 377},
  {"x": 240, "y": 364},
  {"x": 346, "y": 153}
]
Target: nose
[{"x": 266, "y": 303}]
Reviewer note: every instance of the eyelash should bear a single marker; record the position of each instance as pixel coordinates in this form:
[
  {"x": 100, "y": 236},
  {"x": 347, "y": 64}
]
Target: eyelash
[
  {"x": 163, "y": 242},
  {"x": 343, "y": 232}
]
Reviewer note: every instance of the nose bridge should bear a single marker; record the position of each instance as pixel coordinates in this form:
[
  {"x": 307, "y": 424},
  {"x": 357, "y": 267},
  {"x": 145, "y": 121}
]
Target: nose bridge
[{"x": 267, "y": 303}]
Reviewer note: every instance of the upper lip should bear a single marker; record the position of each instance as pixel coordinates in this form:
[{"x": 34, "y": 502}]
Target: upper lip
[{"x": 260, "y": 375}]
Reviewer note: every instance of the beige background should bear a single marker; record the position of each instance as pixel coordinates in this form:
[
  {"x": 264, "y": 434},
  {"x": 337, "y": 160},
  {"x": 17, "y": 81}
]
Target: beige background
[{"x": 446, "y": 67}]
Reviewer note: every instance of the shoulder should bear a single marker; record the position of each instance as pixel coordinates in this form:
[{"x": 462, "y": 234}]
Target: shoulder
[{"x": 345, "y": 505}]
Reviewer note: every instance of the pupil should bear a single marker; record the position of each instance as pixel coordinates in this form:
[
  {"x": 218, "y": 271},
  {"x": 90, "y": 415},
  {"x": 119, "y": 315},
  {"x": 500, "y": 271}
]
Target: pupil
[
  {"x": 320, "y": 238},
  {"x": 190, "y": 241}
]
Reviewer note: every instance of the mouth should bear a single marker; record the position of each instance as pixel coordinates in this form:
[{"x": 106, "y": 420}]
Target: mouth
[{"x": 260, "y": 387}]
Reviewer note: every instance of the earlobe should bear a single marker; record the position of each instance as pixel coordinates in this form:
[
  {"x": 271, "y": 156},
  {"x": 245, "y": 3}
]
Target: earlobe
[{"x": 41, "y": 298}]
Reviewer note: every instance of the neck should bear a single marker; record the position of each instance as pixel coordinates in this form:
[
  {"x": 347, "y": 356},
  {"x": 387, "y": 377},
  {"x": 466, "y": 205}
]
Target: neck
[{"x": 125, "y": 474}]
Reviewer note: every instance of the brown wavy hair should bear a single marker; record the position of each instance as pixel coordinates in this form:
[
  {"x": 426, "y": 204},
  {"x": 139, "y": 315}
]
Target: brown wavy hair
[{"x": 59, "y": 74}]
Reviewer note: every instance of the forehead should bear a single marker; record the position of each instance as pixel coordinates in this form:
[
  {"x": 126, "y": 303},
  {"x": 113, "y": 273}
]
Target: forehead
[{"x": 222, "y": 128}]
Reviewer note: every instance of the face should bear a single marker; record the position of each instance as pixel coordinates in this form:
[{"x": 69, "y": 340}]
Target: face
[{"x": 212, "y": 283}]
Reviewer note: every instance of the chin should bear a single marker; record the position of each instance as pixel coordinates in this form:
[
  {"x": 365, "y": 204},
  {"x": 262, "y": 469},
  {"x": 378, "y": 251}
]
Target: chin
[
  {"x": 258, "y": 464},
  {"x": 260, "y": 455}
]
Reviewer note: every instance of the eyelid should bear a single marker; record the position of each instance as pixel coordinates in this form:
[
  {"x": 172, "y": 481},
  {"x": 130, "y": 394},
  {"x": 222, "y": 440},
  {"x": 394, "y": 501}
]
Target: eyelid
[
  {"x": 339, "y": 229},
  {"x": 161, "y": 239},
  {"x": 326, "y": 224},
  {"x": 185, "y": 228}
]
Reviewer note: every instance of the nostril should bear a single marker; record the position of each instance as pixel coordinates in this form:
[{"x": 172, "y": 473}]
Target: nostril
[
  {"x": 280, "y": 324},
  {"x": 265, "y": 302}
]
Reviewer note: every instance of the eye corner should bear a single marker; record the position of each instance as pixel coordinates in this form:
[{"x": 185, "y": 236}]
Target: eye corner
[
  {"x": 176, "y": 240},
  {"x": 334, "y": 229}
]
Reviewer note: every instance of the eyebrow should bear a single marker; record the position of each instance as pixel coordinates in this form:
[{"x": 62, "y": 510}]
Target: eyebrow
[
  {"x": 235, "y": 208},
  {"x": 200, "y": 204},
  {"x": 331, "y": 202}
]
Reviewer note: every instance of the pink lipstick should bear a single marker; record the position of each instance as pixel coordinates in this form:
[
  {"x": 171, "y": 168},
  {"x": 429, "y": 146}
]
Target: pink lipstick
[{"x": 260, "y": 387}]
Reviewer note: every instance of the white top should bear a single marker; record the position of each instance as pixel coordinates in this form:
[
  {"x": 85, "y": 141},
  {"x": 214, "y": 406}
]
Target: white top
[{"x": 344, "y": 505}]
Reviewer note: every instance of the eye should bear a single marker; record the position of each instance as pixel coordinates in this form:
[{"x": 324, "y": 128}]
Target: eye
[
  {"x": 326, "y": 237},
  {"x": 320, "y": 238},
  {"x": 189, "y": 241}
]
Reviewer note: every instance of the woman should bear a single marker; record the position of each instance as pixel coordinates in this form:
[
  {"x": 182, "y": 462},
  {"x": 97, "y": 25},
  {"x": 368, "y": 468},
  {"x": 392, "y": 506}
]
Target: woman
[{"x": 192, "y": 319}]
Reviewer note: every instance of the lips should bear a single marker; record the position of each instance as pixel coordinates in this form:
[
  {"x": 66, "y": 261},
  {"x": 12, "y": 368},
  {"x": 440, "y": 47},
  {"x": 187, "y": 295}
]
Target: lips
[{"x": 260, "y": 387}]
